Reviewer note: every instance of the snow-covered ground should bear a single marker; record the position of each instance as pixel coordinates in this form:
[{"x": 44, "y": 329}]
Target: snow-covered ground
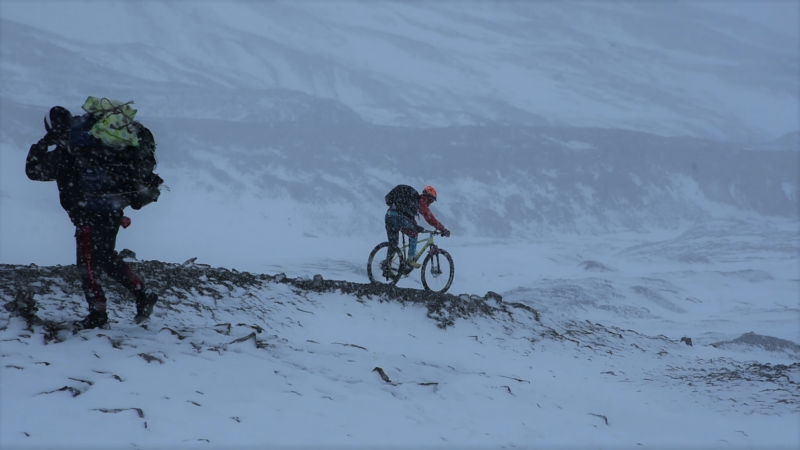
[
  {"x": 280, "y": 127},
  {"x": 602, "y": 366}
]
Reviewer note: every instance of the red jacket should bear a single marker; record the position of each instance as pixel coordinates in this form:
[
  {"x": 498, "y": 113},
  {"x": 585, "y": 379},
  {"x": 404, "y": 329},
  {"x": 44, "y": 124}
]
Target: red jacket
[{"x": 425, "y": 210}]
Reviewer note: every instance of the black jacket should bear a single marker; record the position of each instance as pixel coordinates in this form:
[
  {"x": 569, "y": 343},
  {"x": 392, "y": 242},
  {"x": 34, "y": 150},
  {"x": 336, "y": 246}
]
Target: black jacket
[
  {"x": 62, "y": 167},
  {"x": 57, "y": 166}
]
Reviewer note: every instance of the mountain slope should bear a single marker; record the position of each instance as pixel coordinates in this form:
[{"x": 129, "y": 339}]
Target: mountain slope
[
  {"x": 668, "y": 68},
  {"x": 494, "y": 180}
]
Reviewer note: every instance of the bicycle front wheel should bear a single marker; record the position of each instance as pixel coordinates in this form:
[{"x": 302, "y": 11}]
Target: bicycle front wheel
[
  {"x": 375, "y": 265},
  {"x": 438, "y": 272}
]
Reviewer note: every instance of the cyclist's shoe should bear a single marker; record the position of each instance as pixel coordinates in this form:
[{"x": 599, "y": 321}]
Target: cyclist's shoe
[
  {"x": 411, "y": 265},
  {"x": 144, "y": 306}
]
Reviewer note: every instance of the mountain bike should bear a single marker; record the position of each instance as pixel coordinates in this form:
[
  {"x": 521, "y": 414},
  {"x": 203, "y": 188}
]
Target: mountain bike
[{"x": 437, "y": 268}]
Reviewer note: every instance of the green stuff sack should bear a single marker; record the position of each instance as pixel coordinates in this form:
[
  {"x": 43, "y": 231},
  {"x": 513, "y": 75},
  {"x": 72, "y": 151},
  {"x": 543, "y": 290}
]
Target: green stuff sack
[{"x": 115, "y": 122}]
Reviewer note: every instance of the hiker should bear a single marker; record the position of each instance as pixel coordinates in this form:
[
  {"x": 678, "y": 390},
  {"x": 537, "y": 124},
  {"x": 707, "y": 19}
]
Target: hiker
[
  {"x": 94, "y": 188},
  {"x": 404, "y": 203}
]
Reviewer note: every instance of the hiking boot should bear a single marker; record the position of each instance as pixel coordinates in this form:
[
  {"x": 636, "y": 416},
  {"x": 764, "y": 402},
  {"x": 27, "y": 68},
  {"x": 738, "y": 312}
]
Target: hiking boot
[
  {"x": 95, "y": 319},
  {"x": 144, "y": 306}
]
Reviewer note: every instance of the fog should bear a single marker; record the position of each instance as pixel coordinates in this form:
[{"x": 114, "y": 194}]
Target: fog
[
  {"x": 579, "y": 117},
  {"x": 630, "y": 162}
]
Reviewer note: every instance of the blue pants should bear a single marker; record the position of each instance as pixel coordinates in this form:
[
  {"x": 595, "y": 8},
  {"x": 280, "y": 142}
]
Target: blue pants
[{"x": 395, "y": 223}]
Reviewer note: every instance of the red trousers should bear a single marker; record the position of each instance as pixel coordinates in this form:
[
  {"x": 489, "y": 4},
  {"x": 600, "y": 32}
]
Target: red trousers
[{"x": 95, "y": 239}]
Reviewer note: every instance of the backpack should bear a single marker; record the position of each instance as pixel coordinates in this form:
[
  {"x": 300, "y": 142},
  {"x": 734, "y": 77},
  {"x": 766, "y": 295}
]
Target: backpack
[
  {"x": 113, "y": 172},
  {"x": 143, "y": 185},
  {"x": 114, "y": 122},
  {"x": 404, "y": 199}
]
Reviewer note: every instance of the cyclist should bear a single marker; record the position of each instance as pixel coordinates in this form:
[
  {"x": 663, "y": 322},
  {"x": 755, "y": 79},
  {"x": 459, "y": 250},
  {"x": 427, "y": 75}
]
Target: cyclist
[{"x": 405, "y": 203}]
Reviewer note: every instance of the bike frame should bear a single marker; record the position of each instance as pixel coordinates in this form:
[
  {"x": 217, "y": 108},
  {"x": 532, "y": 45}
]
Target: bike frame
[
  {"x": 391, "y": 269},
  {"x": 427, "y": 244}
]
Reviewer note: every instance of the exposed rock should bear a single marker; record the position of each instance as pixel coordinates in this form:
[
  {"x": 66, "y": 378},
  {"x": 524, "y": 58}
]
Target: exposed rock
[
  {"x": 351, "y": 345},
  {"x": 491, "y": 295},
  {"x": 182, "y": 282},
  {"x": 768, "y": 343},
  {"x": 24, "y": 306},
  {"x": 382, "y": 374},
  {"x": 246, "y": 338},
  {"x": 70, "y": 389},
  {"x": 139, "y": 411},
  {"x": 594, "y": 266},
  {"x": 150, "y": 358},
  {"x": 223, "y": 328},
  {"x": 516, "y": 379},
  {"x": 600, "y": 416},
  {"x": 189, "y": 262},
  {"x": 785, "y": 378}
]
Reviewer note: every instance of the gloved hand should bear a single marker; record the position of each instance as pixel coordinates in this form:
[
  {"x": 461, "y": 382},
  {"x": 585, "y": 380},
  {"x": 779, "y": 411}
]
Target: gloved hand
[
  {"x": 420, "y": 229},
  {"x": 51, "y": 138},
  {"x": 445, "y": 233},
  {"x": 48, "y": 140}
]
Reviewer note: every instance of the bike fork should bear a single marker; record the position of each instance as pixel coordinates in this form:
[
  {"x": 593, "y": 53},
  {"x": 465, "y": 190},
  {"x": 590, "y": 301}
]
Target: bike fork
[{"x": 436, "y": 268}]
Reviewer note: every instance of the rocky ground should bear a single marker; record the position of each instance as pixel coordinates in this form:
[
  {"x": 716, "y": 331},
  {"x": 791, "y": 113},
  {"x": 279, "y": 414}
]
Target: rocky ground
[{"x": 306, "y": 328}]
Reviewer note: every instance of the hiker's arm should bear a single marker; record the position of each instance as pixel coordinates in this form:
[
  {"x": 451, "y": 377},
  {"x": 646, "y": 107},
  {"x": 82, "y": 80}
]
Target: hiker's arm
[
  {"x": 425, "y": 210},
  {"x": 42, "y": 165}
]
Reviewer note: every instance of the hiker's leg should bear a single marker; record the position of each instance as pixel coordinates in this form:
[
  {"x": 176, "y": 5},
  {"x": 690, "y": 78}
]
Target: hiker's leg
[
  {"x": 87, "y": 267},
  {"x": 108, "y": 257}
]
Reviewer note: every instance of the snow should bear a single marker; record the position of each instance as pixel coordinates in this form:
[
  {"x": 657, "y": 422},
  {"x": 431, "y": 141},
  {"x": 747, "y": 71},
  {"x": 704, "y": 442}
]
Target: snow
[
  {"x": 309, "y": 379},
  {"x": 574, "y": 63},
  {"x": 281, "y": 125}
]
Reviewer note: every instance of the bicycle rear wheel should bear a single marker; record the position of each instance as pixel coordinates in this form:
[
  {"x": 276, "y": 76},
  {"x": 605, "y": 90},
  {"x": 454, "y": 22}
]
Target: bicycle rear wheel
[
  {"x": 375, "y": 269},
  {"x": 438, "y": 272}
]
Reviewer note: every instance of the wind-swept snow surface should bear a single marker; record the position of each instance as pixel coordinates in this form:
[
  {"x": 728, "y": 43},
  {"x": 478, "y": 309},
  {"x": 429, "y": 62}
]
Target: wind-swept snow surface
[
  {"x": 622, "y": 174},
  {"x": 588, "y": 351}
]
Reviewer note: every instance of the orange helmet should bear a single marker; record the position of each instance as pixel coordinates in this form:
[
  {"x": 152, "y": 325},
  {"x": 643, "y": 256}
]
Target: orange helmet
[{"x": 430, "y": 191}]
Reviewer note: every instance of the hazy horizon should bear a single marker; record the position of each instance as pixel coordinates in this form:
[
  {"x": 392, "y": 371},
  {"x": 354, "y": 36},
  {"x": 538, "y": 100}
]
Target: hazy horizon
[{"x": 624, "y": 175}]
